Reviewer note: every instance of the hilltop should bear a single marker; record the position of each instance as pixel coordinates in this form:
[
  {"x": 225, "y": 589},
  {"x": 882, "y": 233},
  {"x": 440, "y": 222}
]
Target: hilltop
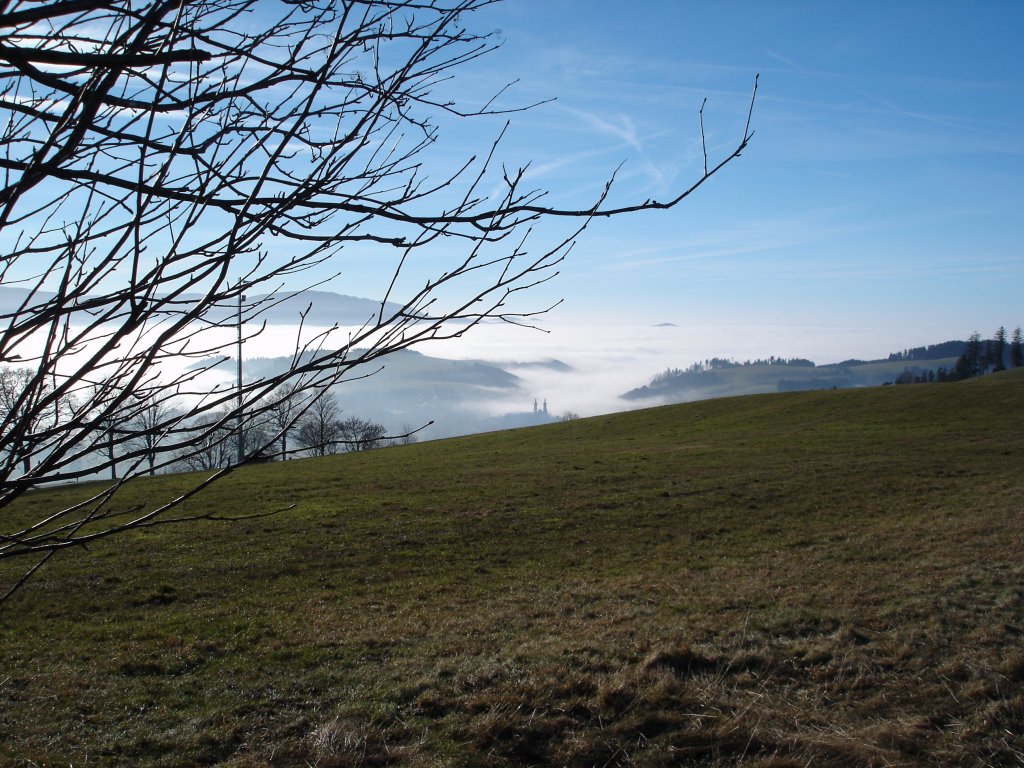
[
  {"x": 814, "y": 578},
  {"x": 721, "y": 377},
  {"x": 408, "y": 389}
]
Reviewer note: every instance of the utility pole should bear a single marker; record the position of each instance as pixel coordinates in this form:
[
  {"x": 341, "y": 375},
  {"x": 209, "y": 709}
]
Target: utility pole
[{"x": 240, "y": 441}]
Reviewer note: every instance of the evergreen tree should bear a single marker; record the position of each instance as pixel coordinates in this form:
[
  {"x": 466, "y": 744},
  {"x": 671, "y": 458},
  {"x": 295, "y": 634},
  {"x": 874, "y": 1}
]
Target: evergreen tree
[
  {"x": 1016, "y": 349},
  {"x": 973, "y": 354},
  {"x": 970, "y": 362},
  {"x": 999, "y": 349}
]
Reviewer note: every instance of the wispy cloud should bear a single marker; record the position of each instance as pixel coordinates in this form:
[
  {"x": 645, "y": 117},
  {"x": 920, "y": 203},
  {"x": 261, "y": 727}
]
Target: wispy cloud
[
  {"x": 619, "y": 126},
  {"x": 754, "y": 236},
  {"x": 622, "y": 129},
  {"x": 784, "y": 60}
]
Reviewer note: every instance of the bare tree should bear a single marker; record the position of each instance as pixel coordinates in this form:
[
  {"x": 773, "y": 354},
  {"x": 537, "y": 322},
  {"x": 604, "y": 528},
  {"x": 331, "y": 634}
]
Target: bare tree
[
  {"x": 357, "y": 434},
  {"x": 285, "y": 402},
  {"x": 169, "y": 168},
  {"x": 16, "y": 386},
  {"x": 20, "y": 391},
  {"x": 213, "y": 445},
  {"x": 108, "y": 426},
  {"x": 319, "y": 429},
  {"x": 407, "y": 435},
  {"x": 147, "y": 427}
]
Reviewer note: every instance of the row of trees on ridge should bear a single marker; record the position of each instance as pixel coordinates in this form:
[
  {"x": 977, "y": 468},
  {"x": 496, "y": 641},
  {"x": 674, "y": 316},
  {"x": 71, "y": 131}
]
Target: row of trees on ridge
[{"x": 978, "y": 358}]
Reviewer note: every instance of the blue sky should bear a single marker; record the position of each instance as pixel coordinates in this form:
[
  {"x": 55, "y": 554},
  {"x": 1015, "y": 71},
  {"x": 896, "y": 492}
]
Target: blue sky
[{"x": 881, "y": 195}]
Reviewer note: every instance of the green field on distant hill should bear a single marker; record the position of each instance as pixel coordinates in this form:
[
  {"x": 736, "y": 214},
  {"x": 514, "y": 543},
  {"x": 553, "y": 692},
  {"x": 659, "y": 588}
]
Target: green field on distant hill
[{"x": 827, "y": 578}]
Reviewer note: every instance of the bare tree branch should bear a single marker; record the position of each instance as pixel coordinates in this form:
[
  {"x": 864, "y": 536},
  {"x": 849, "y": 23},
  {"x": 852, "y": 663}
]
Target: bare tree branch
[{"x": 166, "y": 164}]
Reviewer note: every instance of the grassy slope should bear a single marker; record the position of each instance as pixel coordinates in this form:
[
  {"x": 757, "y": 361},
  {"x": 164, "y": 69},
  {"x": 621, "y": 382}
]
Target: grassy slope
[{"x": 826, "y": 578}]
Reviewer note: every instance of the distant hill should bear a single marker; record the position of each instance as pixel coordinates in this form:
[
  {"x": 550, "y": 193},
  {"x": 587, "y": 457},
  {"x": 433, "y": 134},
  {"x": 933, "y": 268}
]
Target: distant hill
[
  {"x": 550, "y": 364},
  {"x": 941, "y": 351},
  {"x": 11, "y": 298},
  {"x": 322, "y": 308},
  {"x": 411, "y": 389},
  {"x": 719, "y": 377}
]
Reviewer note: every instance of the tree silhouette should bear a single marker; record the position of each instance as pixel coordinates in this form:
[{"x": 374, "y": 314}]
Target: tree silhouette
[
  {"x": 969, "y": 364},
  {"x": 999, "y": 349},
  {"x": 358, "y": 434},
  {"x": 319, "y": 430},
  {"x": 286, "y": 402}
]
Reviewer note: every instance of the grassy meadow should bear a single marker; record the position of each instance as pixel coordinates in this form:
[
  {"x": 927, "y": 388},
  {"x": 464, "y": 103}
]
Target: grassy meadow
[{"x": 828, "y": 578}]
